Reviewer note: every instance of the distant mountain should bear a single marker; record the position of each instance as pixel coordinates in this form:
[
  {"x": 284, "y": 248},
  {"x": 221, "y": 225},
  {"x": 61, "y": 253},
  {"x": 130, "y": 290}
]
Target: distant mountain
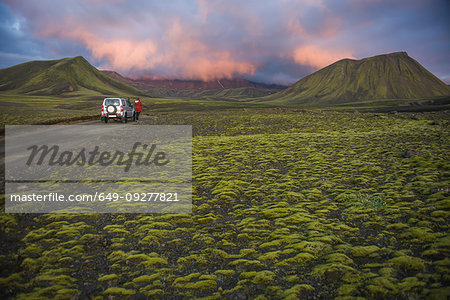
[
  {"x": 225, "y": 83},
  {"x": 232, "y": 89},
  {"x": 117, "y": 76},
  {"x": 388, "y": 76},
  {"x": 56, "y": 77}
]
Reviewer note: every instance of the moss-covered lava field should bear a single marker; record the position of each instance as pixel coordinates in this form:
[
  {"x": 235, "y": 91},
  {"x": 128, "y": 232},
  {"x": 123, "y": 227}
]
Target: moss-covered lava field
[{"x": 286, "y": 205}]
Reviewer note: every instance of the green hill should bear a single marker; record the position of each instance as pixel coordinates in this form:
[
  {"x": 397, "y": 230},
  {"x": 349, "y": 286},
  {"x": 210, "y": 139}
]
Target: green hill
[
  {"x": 388, "y": 76},
  {"x": 56, "y": 77}
]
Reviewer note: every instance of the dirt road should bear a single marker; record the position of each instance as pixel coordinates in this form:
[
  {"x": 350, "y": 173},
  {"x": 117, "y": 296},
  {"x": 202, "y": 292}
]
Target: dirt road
[
  {"x": 77, "y": 122},
  {"x": 97, "y": 121}
]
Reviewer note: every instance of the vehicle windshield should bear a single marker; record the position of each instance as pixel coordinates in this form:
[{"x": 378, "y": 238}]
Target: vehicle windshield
[{"x": 112, "y": 102}]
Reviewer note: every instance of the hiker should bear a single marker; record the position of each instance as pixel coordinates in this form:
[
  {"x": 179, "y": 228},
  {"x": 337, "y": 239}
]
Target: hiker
[{"x": 137, "y": 109}]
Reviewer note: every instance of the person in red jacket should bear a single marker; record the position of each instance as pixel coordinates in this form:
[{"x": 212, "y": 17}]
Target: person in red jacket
[{"x": 137, "y": 108}]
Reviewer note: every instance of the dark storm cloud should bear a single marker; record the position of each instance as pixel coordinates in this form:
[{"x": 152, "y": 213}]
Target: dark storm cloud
[
  {"x": 270, "y": 41},
  {"x": 17, "y": 45}
]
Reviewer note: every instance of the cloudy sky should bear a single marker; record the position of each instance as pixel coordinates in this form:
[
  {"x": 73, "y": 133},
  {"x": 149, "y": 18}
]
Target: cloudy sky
[{"x": 272, "y": 41}]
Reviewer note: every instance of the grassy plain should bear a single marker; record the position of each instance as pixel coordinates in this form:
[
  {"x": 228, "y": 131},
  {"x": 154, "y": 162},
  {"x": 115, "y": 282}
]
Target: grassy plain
[
  {"x": 287, "y": 204},
  {"x": 20, "y": 109}
]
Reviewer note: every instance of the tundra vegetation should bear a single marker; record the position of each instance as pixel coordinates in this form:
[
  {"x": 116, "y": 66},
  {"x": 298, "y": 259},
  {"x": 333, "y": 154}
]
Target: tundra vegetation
[{"x": 286, "y": 205}]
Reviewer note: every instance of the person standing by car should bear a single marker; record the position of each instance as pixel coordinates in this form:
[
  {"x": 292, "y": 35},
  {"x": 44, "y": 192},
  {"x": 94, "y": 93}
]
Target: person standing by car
[{"x": 137, "y": 108}]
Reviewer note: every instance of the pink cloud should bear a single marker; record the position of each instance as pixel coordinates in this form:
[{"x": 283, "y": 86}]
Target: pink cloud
[
  {"x": 219, "y": 65},
  {"x": 178, "y": 50},
  {"x": 206, "y": 39},
  {"x": 175, "y": 45},
  {"x": 317, "y": 57}
]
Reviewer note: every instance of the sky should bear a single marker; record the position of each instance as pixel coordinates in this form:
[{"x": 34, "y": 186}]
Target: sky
[{"x": 271, "y": 41}]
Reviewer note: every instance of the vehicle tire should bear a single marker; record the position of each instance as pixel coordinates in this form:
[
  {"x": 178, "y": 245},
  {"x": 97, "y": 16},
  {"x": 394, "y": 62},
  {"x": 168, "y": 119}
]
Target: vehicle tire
[
  {"x": 111, "y": 109},
  {"x": 125, "y": 119},
  {"x": 106, "y": 119}
]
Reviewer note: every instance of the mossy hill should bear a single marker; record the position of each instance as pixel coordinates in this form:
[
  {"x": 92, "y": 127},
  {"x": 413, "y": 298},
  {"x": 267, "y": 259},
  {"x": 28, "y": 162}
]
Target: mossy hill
[
  {"x": 388, "y": 76},
  {"x": 56, "y": 77}
]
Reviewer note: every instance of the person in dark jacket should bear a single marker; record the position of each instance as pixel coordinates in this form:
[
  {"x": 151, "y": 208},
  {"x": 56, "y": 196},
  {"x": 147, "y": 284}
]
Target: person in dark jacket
[{"x": 137, "y": 108}]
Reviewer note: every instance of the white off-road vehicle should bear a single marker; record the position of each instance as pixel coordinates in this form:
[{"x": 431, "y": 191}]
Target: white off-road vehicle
[{"x": 117, "y": 109}]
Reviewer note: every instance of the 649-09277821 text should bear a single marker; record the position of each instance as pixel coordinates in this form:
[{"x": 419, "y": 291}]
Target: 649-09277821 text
[
  {"x": 130, "y": 197},
  {"x": 93, "y": 169}
]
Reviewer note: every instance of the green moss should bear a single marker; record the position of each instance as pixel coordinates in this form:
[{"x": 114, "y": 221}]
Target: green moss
[
  {"x": 339, "y": 258},
  {"x": 247, "y": 274},
  {"x": 364, "y": 251},
  {"x": 198, "y": 260},
  {"x": 207, "y": 277},
  {"x": 50, "y": 278},
  {"x": 246, "y": 263},
  {"x": 331, "y": 271},
  {"x": 154, "y": 261},
  {"x": 264, "y": 277},
  {"x": 146, "y": 278},
  {"x": 271, "y": 244},
  {"x": 32, "y": 250},
  {"x": 117, "y": 255},
  {"x": 151, "y": 292},
  {"x": 8, "y": 222},
  {"x": 270, "y": 256},
  {"x": 39, "y": 234},
  {"x": 381, "y": 286},
  {"x": 396, "y": 226},
  {"x": 119, "y": 292},
  {"x": 186, "y": 278},
  {"x": 315, "y": 248},
  {"x": 205, "y": 220},
  {"x": 438, "y": 293},
  {"x": 9, "y": 281},
  {"x": 67, "y": 293},
  {"x": 137, "y": 257},
  {"x": 442, "y": 266},
  {"x": 346, "y": 228},
  {"x": 246, "y": 252},
  {"x": 346, "y": 289},
  {"x": 298, "y": 290},
  {"x": 300, "y": 259},
  {"x": 202, "y": 285},
  {"x": 274, "y": 213},
  {"x": 109, "y": 277},
  {"x": 328, "y": 239},
  {"x": 30, "y": 264},
  {"x": 225, "y": 273},
  {"x": 409, "y": 263},
  {"x": 410, "y": 284},
  {"x": 421, "y": 235}
]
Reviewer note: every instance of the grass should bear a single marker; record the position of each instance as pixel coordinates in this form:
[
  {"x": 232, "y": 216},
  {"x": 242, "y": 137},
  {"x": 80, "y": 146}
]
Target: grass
[
  {"x": 20, "y": 109},
  {"x": 286, "y": 204}
]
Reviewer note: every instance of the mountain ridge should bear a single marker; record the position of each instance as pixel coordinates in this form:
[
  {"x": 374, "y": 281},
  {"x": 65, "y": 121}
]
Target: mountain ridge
[
  {"x": 232, "y": 88},
  {"x": 188, "y": 84},
  {"x": 58, "y": 77},
  {"x": 394, "y": 76},
  {"x": 386, "y": 76}
]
